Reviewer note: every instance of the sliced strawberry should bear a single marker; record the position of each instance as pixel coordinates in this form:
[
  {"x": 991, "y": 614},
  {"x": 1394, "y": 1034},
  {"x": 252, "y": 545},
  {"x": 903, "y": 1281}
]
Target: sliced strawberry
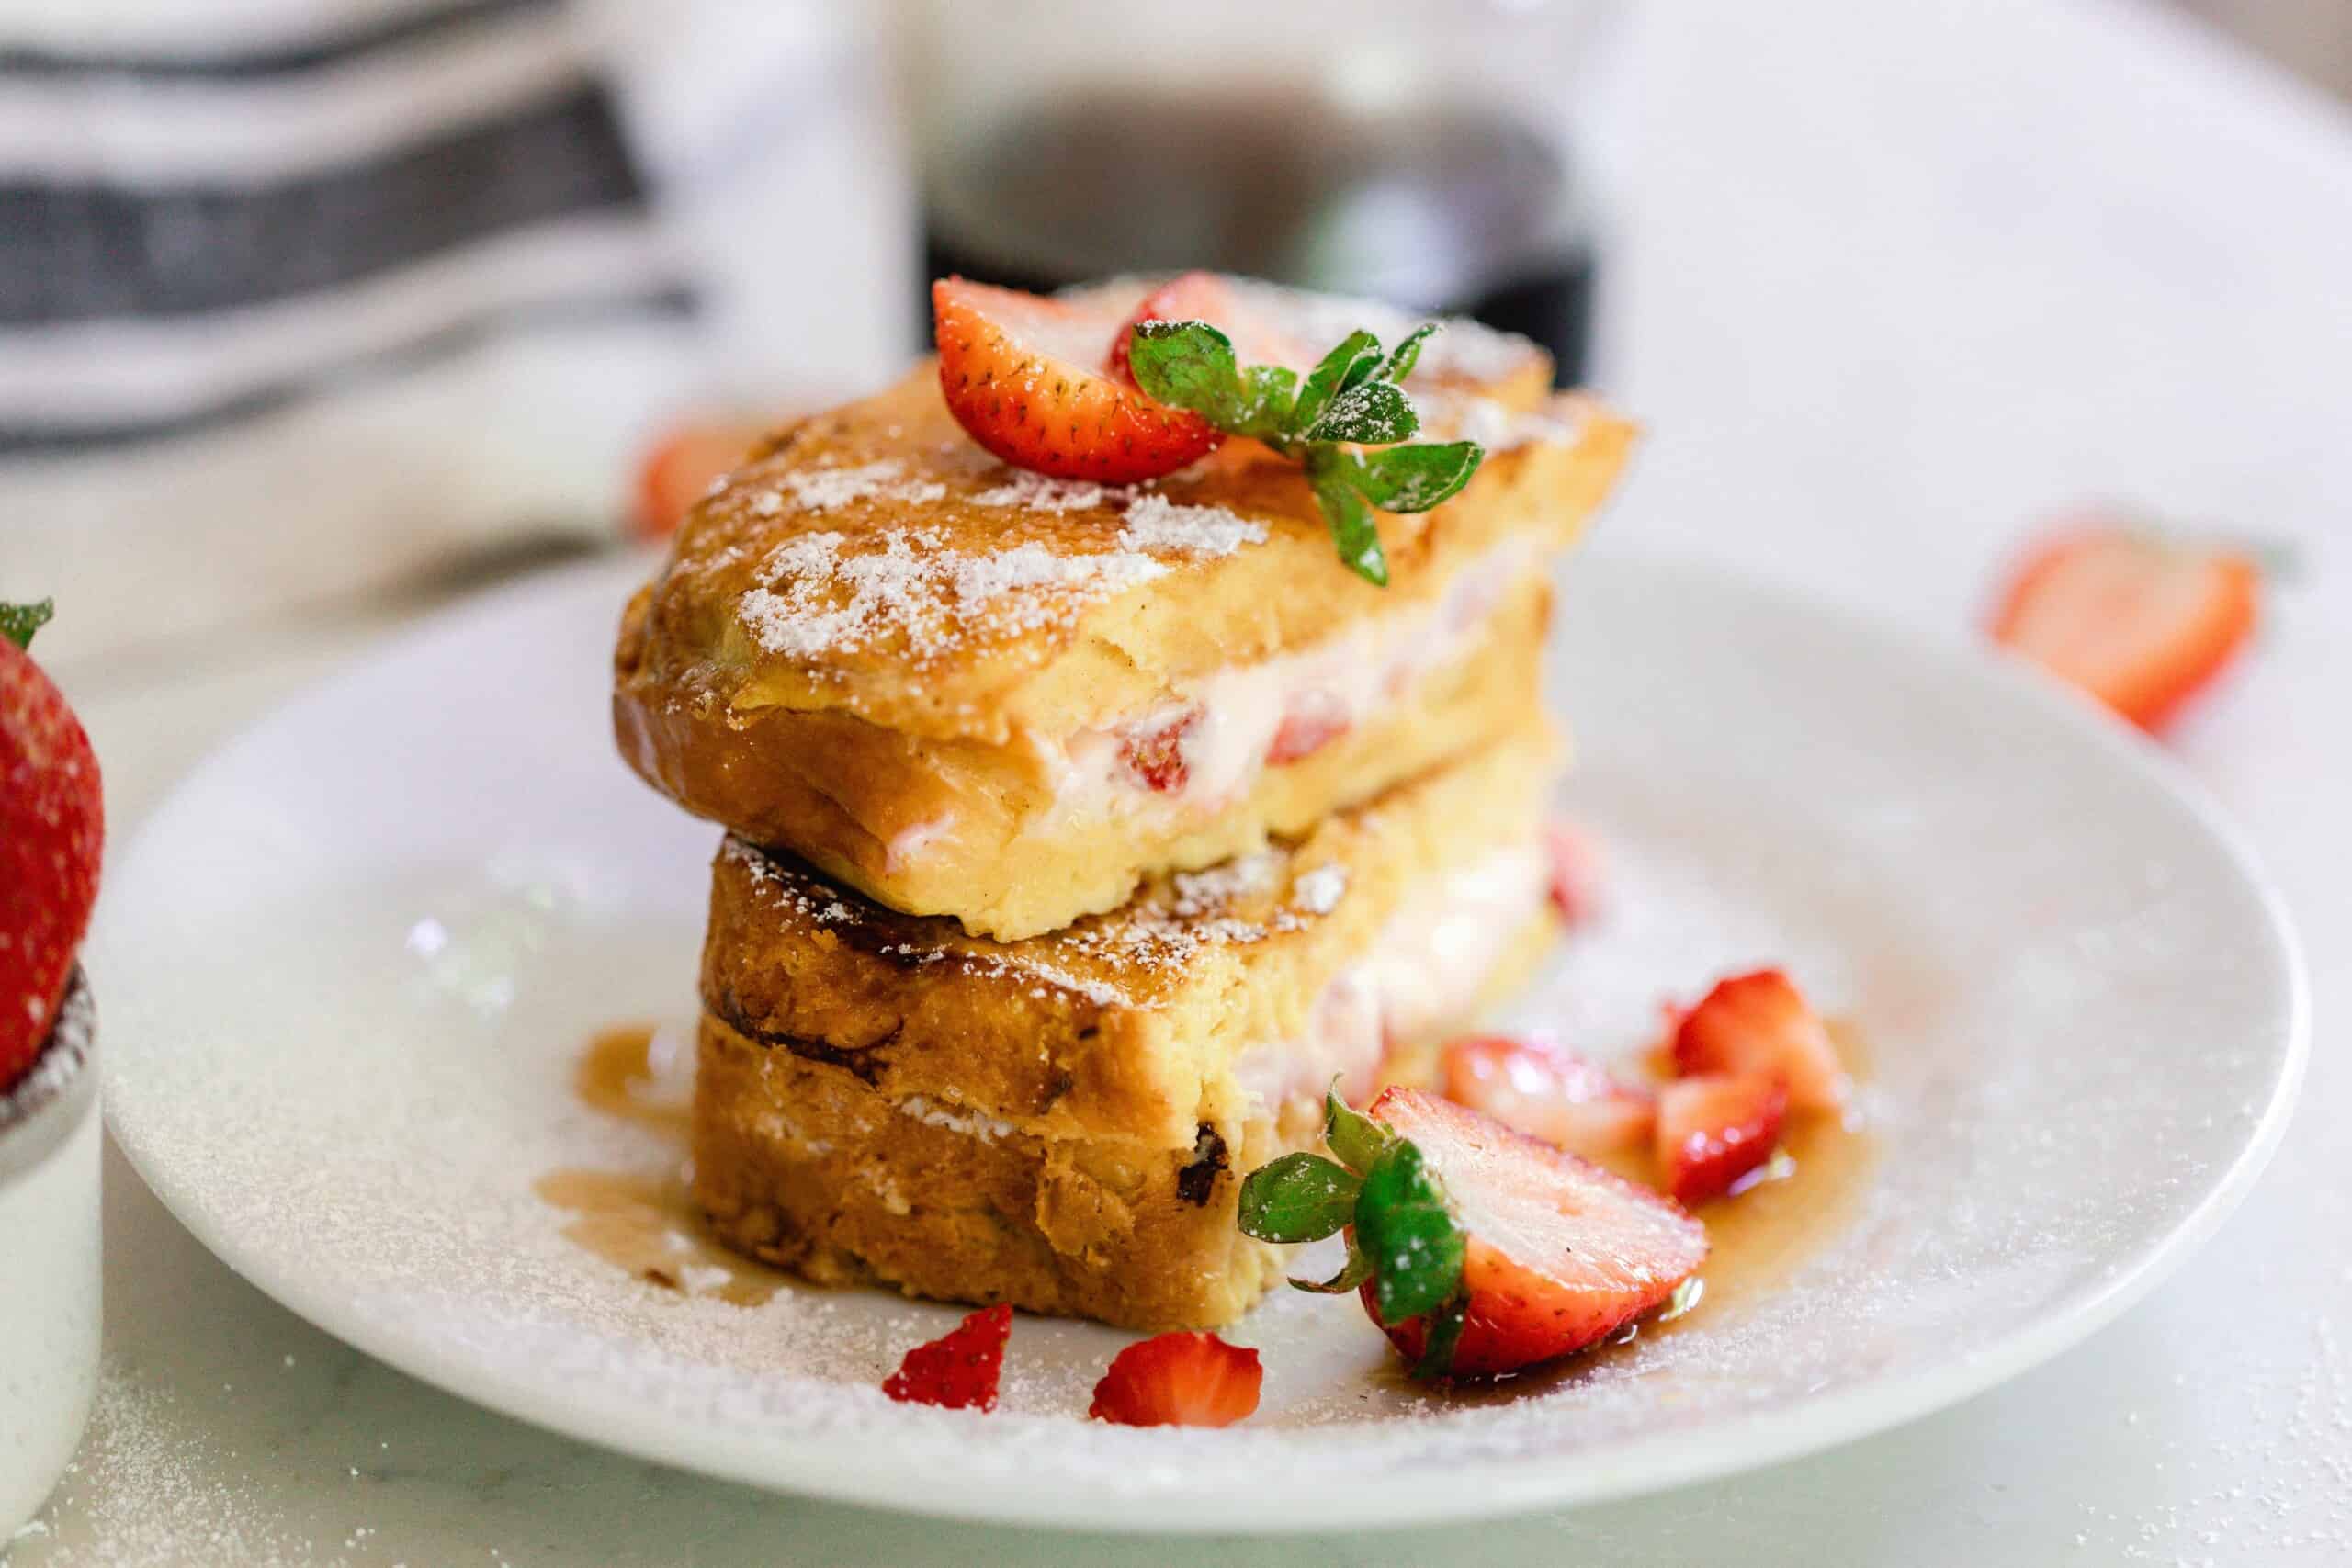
[
  {"x": 1024, "y": 376},
  {"x": 1308, "y": 726},
  {"x": 1179, "y": 1380},
  {"x": 959, "y": 1370},
  {"x": 2138, "y": 621},
  {"x": 52, "y": 829},
  {"x": 1257, "y": 337},
  {"x": 1155, "y": 753},
  {"x": 1561, "y": 1253},
  {"x": 680, "y": 469},
  {"x": 1548, "y": 1091},
  {"x": 1576, "y": 870},
  {"x": 1714, "y": 1128},
  {"x": 1760, "y": 1023}
]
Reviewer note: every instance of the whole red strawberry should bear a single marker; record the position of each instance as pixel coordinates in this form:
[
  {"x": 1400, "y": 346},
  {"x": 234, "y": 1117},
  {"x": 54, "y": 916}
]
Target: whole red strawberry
[{"x": 52, "y": 825}]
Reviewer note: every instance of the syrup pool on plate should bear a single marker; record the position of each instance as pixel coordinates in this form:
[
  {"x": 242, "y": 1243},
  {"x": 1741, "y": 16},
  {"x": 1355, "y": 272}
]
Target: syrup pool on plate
[{"x": 646, "y": 1222}]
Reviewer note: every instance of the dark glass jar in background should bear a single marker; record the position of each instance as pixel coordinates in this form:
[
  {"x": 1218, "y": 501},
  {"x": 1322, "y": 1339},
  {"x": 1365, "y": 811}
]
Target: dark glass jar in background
[{"x": 1424, "y": 153}]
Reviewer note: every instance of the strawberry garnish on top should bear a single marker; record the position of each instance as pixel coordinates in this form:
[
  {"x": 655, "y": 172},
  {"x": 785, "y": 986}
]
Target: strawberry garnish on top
[
  {"x": 1352, "y": 399},
  {"x": 1760, "y": 1023},
  {"x": 958, "y": 1371},
  {"x": 1028, "y": 378},
  {"x": 2139, "y": 621},
  {"x": 1478, "y": 1249},
  {"x": 1206, "y": 297},
  {"x": 52, "y": 829},
  {"x": 1179, "y": 1380},
  {"x": 1548, "y": 1091}
]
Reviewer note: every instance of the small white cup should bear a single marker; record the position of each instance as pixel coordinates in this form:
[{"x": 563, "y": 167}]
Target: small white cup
[{"x": 49, "y": 1260}]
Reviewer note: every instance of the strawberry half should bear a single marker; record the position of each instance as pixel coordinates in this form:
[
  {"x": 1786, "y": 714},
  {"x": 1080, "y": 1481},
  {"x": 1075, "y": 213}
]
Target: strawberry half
[
  {"x": 2138, "y": 621},
  {"x": 959, "y": 1371},
  {"x": 1560, "y": 1253},
  {"x": 1761, "y": 1024},
  {"x": 1714, "y": 1128},
  {"x": 1179, "y": 1380},
  {"x": 1476, "y": 1249},
  {"x": 680, "y": 467},
  {"x": 1549, "y": 1092},
  {"x": 1025, "y": 376},
  {"x": 52, "y": 830}
]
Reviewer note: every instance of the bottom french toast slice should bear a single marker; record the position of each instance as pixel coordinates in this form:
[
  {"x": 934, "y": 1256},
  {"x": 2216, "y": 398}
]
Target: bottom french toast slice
[{"x": 1062, "y": 1122}]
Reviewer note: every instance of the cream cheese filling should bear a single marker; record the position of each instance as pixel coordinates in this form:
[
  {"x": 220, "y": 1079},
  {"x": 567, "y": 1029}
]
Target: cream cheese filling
[{"x": 1426, "y": 968}]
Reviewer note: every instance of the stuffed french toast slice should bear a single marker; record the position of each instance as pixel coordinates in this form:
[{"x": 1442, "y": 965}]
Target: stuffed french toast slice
[{"x": 967, "y": 689}]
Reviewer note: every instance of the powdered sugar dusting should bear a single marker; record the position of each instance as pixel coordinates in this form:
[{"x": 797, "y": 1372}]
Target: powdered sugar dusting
[
  {"x": 1318, "y": 891},
  {"x": 1041, "y": 493},
  {"x": 823, "y": 490},
  {"x": 822, "y": 595},
  {"x": 1156, "y": 523}
]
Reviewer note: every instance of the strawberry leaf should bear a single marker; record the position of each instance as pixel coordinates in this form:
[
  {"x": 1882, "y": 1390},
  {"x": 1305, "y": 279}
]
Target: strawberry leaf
[
  {"x": 1188, "y": 364},
  {"x": 1414, "y": 478},
  {"x": 1300, "y": 1197},
  {"x": 1351, "y": 1276},
  {"x": 18, "y": 622},
  {"x": 1407, "y": 354},
  {"x": 1357, "y": 356},
  {"x": 1354, "y": 533},
  {"x": 1371, "y": 414},
  {"x": 1356, "y": 1138},
  {"x": 1269, "y": 393},
  {"x": 1406, "y": 1229},
  {"x": 1444, "y": 1334}
]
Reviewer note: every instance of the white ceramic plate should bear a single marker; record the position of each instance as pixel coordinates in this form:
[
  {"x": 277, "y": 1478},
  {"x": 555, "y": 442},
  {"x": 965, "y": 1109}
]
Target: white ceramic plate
[{"x": 350, "y": 966}]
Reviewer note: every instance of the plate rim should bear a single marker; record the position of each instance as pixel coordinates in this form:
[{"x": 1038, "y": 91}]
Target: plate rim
[{"x": 1659, "y": 1461}]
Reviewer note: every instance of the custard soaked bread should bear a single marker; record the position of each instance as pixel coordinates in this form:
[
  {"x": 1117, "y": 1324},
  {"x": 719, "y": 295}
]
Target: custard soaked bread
[
  {"x": 1061, "y": 1122},
  {"x": 968, "y": 690}
]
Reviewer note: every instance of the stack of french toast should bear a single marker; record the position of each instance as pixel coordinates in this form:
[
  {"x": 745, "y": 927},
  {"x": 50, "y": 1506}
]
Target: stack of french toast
[{"x": 1082, "y": 830}]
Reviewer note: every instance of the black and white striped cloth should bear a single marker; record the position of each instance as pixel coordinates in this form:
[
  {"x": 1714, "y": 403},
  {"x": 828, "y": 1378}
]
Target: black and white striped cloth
[{"x": 297, "y": 294}]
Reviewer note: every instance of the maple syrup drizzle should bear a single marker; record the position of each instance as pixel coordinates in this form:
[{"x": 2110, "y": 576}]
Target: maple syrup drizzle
[{"x": 646, "y": 1225}]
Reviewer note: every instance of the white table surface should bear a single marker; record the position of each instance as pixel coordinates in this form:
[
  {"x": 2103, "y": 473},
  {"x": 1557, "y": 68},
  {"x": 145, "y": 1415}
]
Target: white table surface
[{"x": 1895, "y": 281}]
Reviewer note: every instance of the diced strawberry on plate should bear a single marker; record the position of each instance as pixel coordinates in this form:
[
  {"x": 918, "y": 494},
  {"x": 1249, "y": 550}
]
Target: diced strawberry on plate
[
  {"x": 1714, "y": 1128},
  {"x": 1560, "y": 1254},
  {"x": 1760, "y": 1023},
  {"x": 960, "y": 1369},
  {"x": 1548, "y": 1091},
  {"x": 1027, "y": 377},
  {"x": 1179, "y": 1380}
]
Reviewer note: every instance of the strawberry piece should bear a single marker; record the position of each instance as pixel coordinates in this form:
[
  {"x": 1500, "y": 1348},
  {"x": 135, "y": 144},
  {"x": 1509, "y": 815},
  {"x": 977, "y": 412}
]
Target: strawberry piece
[
  {"x": 1548, "y": 1091},
  {"x": 1179, "y": 1380},
  {"x": 959, "y": 1370},
  {"x": 1714, "y": 1128},
  {"x": 1024, "y": 376},
  {"x": 1761, "y": 1024},
  {"x": 1576, "y": 870},
  {"x": 1561, "y": 1253},
  {"x": 1156, "y": 755},
  {"x": 2139, "y": 622},
  {"x": 52, "y": 829},
  {"x": 1305, "y": 730},
  {"x": 1205, "y": 297},
  {"x": 680, "y": 467}
]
